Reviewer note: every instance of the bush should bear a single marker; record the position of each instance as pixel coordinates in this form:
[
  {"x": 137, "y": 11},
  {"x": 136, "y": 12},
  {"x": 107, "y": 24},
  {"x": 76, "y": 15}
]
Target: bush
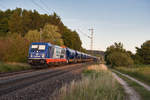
[
  {"x": 119, "y": 59},
  {"x": 14, "y": 48}
]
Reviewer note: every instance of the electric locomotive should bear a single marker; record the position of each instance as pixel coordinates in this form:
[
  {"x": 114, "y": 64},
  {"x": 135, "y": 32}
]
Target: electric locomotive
[{"x": 46, "y": 54}]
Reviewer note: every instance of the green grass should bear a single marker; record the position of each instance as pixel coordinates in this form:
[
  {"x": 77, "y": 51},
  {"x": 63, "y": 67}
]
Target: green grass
[
  {"x": 145, "y": 95},
  {"x": 95, "y": 85},
  {"x": 12, "y": 67},
  {"x": 140, "y": 72}
]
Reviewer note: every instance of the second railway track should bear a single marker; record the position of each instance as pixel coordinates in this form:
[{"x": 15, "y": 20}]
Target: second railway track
[
  {"x": 15, "y": 73},
  {"x": 11, "y": 84}
]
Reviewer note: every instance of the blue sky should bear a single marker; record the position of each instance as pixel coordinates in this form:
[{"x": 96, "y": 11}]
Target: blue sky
[{"x": 126, "y": 21}]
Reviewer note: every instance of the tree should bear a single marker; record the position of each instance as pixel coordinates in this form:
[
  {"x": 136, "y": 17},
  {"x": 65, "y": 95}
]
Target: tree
[
  {"x": 50, "y": 34},
  {"x": 116, "y": 47},
  {"x": 76, "y": 41},
  {"x": 4, "y": 17},
  {"x": 116, "y": 55},
  {"x": 14, "y": 48},
  {"x": 120, "y": 59},
  {"x": 143, "y": 53},
  {"x": 36, "y": 20},
  {"x": 3, "y": 27},
  {"x": 33, "y": 36},
  {"x": 26, "y": 21},
  {"x": 15, "y": 22},
  {"x": 71, "y": 39}
]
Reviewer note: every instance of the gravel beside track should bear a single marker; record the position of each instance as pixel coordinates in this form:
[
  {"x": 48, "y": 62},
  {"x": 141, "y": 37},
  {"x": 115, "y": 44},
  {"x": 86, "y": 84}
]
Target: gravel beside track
[{"x": 40, "y": 87}]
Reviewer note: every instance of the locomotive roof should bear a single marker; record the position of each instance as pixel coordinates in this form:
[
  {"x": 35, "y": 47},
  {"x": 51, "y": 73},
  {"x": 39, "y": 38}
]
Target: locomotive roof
[
  {"x": 70, "y": 50},
  {"x": 41, "y": 43}
]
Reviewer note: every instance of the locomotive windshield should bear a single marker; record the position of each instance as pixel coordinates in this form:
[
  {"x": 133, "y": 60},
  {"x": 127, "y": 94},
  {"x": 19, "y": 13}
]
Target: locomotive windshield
[
  {"x": 38, "y": 47},
  {"x": 41, "y": 47}
]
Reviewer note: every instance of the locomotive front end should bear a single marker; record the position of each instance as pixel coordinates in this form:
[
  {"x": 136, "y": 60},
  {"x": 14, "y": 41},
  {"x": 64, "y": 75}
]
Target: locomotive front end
[{"x": 37, "y": 54}]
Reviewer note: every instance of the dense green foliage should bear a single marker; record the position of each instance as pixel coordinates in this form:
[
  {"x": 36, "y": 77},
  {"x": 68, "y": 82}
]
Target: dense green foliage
[
  {"x": 21, "y": 21},
  {"x": 120, "y": 59},
  {"x": 143, "y": 53},
  {"x": 14, "y": 48},
  {"x": 20, "y": 27},
  {"x": 116, "y": 55}
]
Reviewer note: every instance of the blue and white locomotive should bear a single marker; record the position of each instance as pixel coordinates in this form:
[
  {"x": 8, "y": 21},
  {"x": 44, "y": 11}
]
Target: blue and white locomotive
[{"x": 49, "y": 54}]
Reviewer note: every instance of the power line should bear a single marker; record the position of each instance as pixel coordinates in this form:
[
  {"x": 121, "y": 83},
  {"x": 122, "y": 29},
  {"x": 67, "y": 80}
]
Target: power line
[
  {"x": 39, "y": 6},
  {"x": 45, "y": 5},
  {"x": 90, "y": 37},
  {"x": 84, "y": 34}
]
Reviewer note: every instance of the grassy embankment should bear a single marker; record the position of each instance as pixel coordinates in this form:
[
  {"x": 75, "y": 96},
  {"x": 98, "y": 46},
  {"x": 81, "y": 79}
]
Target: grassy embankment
[
  {"x": 140, "y": 72},
  {"x": 145, "y": 95},
  {"x": 11, "y": 67},
  {"x": 96, "y": 84}
]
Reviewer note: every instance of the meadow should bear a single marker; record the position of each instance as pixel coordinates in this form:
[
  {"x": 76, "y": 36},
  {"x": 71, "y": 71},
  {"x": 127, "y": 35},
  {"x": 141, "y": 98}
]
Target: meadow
[
  {"x": 12, "y": 67},
  {"x": 97, "y": 83},
  {"x": 140, "y": 72}
]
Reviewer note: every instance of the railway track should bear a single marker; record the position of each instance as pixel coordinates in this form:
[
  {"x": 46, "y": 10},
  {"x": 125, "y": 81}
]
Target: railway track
[
  {"x": 7, "y": 74},
  {"x": 13, "y": 83},
  {"x": 15, "y": 73}
]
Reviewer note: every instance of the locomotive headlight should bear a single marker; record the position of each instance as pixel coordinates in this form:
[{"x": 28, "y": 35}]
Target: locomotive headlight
[
  {"x": 43, "y": 55},
  {"x": 31, "y": 55}
]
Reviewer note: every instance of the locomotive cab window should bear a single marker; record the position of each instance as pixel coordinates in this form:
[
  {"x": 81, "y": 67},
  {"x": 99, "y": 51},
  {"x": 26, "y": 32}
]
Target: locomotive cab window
[
  {"x": 41, "y": 47},
  {"x": 38, "y": 47},
  {"x": 34, "y": 46}
]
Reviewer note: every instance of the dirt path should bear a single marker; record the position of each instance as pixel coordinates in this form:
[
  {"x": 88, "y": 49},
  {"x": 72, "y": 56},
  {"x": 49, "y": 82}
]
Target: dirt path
[
  {"x": 133, "y": 79},
  {"x": 132, "y": 94}
]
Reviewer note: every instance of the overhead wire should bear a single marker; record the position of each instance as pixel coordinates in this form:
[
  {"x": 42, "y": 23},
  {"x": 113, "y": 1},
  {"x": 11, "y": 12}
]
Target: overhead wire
[
  {"x": 84, "y": 33},
  {"x": 46, "y": 5},
  {"x": 85, "y": 42},
  {"x": 38, "y": 5}
]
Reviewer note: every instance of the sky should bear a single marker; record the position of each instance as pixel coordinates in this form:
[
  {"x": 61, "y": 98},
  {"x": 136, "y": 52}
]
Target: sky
[{"x": 126, "y": 21}]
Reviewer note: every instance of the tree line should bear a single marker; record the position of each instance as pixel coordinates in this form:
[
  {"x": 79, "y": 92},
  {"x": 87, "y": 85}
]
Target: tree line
[
  {"x": 20, "y": 27},
  {"x": 116, "y": 55}
]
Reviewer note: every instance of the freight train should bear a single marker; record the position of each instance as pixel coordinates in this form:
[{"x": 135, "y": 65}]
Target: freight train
[{"x": 46, "y": 54}]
